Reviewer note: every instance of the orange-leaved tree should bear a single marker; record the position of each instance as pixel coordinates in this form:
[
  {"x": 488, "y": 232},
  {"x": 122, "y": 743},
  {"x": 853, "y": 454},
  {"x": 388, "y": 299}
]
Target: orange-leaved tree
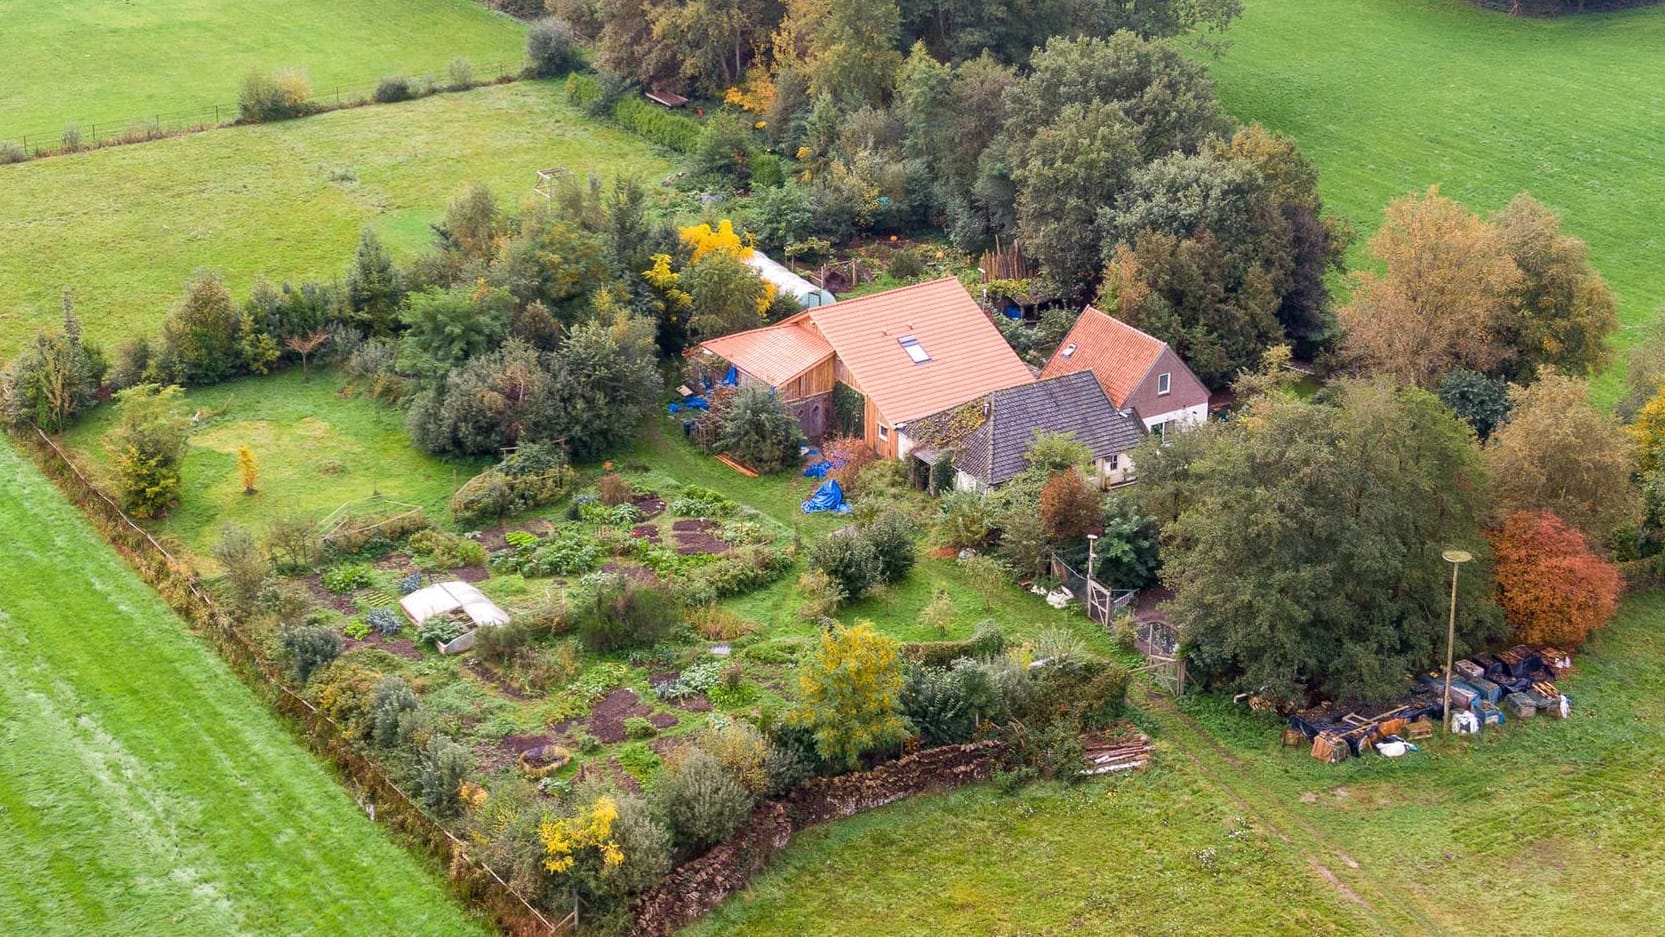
[
  {"x": 1553, "y": 589},
  {"x": 1070, "y": 507}
]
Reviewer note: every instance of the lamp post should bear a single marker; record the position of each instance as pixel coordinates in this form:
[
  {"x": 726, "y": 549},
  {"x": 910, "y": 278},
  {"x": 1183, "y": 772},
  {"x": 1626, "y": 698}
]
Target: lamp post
[
  {"x": 1456, "y": 558},
  {"x": 1092, "y": 541}
]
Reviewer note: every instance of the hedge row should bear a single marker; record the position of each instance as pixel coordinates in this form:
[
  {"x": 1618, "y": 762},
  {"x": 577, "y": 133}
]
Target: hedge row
[{"x": 642, "y": 117}]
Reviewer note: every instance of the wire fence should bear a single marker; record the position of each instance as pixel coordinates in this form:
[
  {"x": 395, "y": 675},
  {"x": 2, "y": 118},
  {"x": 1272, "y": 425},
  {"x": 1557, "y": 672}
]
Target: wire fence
[
  {"x": 73, "y": 136},
  {"x": 381, "y": 796}
]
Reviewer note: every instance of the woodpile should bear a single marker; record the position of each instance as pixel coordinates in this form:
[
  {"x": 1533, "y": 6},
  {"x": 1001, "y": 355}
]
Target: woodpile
[{"x": 1110, "y": 756}]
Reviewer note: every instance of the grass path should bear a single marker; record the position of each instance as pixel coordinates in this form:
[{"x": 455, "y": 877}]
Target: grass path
[
  {"x": 94, "y": 62},
  {"x": 144, "y": 790},
  {"x": 1391, "y": 96},
  {"x": 125, "y": 227}
]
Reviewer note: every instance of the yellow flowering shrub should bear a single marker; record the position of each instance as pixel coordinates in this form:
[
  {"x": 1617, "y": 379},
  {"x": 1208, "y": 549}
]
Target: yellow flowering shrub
[{"x": 565, "y": 839}]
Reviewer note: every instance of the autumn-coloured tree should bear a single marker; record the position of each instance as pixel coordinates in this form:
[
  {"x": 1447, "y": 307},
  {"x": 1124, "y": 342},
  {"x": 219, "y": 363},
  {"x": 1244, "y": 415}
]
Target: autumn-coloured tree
[
  {"x": 849, "y": 694},
  {"x": 1564, "y": 310},
  {"x": 1553, "y": 589},
  {"x": 1558, "y": 453},
  {"x": 247, "y": 469},
  {"x": 1648, "y": 433},
  {"x": 1069, "y": 507},
  {"x": 1444, "y": 301},
  {"x": 305, "y": 345}
]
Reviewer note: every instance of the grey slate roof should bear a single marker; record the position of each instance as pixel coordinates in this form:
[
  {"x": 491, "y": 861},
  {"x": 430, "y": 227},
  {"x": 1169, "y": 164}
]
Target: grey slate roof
[{"x": 1073, "y": 403}]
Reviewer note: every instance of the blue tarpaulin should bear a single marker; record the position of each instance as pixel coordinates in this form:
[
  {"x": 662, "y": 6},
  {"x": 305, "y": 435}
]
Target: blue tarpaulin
[
  {"x": 697, "y": 402},
  {"x": 731, "y": 377},
  {"x": 821, "y": 468},
  {"x": 673, "y": 407},
  {"x": 828, "y": 497}
]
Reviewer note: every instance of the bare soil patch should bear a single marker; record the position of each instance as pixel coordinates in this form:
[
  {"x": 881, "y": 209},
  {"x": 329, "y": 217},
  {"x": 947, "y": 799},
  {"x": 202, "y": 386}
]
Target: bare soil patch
[
  {"x": 694, "y": 536},
  {"x": 650, "y": 505},
  {"x": 395, "y": 645}
]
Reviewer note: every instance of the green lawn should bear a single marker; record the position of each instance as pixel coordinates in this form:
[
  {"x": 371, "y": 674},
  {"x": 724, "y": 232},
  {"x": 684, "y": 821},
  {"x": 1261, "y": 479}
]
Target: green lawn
[
  {"x": 318, "y": 446},
  {"x": 1391, "y": 96},
  {"x": 144, "y": 789},
  {"x": 91, "y": 62},
  {"x": 125, "y": 227}
]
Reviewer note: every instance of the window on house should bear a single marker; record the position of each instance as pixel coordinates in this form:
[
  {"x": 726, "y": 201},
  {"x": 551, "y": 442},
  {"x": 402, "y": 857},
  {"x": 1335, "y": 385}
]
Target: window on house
[
  {"x": 1160, "y": 430},
  {"x": 884, "y": 431},
  {"x": 1164, "y": 383},
  {"x": 915, "y": 350},
  {"x": 1068, "y": 350}
]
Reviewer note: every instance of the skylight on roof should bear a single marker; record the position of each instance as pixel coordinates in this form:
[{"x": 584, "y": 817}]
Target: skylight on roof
[
  {"x": 1069, "y": 350},
  {"x": 915, "y": 350}
]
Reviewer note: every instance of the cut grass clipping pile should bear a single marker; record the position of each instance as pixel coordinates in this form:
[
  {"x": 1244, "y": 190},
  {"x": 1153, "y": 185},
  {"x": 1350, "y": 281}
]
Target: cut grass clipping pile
[{"x": 143, "y": 789}]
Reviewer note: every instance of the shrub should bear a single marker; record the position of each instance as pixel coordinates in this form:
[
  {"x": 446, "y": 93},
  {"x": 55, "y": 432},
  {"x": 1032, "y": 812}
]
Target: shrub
[
  {"x": 385, "y": 621},
  {"x": 892, "y": 536},
  {"x": 551, "y": 49},
  {"x": 12, "y": 153},
  {"x": 264, "y": 97},
  {"x": 1553, "y": 588},
  {"x": 437, "y": 549},
  {"x": 460, "y": 73},
  {"x": 410, "y": 583},
  {"x": 147, "y": 447},
  {"x": 821, "y": 595},
  {"x": 657, "y": 125},
  {"x": 848, "y": 559},
  {"x": 343, "y": 693},
  {"x": 440, "y": 629},
  {"x": 645, "y": 844},
  {"x": 348, "y": 577},
  {"x": 700, "y": 800},
  {"x": 715, "y": 623},
  {"x": 566, "y": 553},
  {"x": 613, "y": 490},
  {"x": 292, "y": 540},
  {"x": 503, "y": 645},
  {"x": 639, "y": 728},
  {"x": 622, "y": 614},
  {"x": 849, "y": 694},
  {"x": 759, "y": 431},
  {"x": 740, "y": 749},
  {"x": 440, "y": 771},
  {"x": 583, "y": 91},
  {"x": 392, "y": 89},
  {"x": 766, "y": 171},
  {"x": 394, "y": 711},
  {"x": 936, "y": 705},
  {"x": 246, "y": 566},
  {"x": 310, "y": 647},
  {"x": 535, "y": 475},
  {"x": 904, "y": 264},
  {"x": 358, "y": 629},
  {"x": 964, "y": 519},
  {"x": 1069, "y": 507},
  {"x": 695, "y": 501}
]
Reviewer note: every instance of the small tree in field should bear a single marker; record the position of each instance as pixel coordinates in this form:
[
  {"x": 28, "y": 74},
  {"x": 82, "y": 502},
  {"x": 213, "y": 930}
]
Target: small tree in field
[
  {"x": 759, "y": 431},
  {"x": 247, "y": 469},
  {"x": 849, "y": 694},
  {"x": 305, "y": 345},
  {"x": 1552, "y": 588}
]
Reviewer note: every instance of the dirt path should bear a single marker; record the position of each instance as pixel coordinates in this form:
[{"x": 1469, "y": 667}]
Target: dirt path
[{"x": 1384, "y": 904}]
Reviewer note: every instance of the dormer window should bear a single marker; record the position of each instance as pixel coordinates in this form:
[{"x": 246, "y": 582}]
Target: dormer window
[
  {"x": 1068, "y": 350},
  {"x": 1164, "y": 383},
  {"x": 915, "y": 350}
]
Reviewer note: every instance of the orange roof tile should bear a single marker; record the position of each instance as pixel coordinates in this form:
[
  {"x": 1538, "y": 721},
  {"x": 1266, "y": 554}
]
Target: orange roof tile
[
  {"x": 774, "y": 354},
  {"x": 1118, "y": 354},
  {"x": 966, "y": 356}
]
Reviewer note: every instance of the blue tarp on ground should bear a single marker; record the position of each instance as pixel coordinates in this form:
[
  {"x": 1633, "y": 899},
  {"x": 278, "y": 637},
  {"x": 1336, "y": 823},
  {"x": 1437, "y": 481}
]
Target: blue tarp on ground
[
  {"x": 821, "y": 468},
  {"x": 828, "y": 497},
  {"x": 673, "y": 407},
  {"x": 731, "y": 377},
  {"x": 697, "y": 402}
]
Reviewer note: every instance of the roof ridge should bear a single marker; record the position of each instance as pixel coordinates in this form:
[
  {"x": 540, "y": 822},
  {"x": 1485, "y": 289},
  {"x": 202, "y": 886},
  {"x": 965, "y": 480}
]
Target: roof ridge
[
  {"x": 1125, "y": 324},
  {"x": 845, "y": 303}
]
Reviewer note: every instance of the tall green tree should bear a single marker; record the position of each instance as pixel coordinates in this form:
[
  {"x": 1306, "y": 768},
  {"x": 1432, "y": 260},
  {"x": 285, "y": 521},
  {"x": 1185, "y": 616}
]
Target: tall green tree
[
  {"x": 53, "y": 379},
  {"x": 1564, "y": 310},
  {"x": 444, "y": 328},
  {"x": 375, "y": 288},
  {"x": 147, "y": 447},
  {"x": 200, "y": 336},
  {"x": 1305, "y": 553},
  {"x": 602, "y": 392}
]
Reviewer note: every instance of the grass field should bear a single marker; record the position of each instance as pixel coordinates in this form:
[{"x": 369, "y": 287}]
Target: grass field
[
  {"x": 144, "y": 789},
  {"x": 125, "y": 227},
  {"x": 1391, "y": 96},
  {"x": 1540, "y": 822},
  {"x": 90, "y": 62},
  {"x": 316, "y": 447}
]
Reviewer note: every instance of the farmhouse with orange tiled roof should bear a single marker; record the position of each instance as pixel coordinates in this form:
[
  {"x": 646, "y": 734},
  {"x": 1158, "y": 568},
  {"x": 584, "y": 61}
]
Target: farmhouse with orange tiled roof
[
  {"x": 907, "y": 353},
  {"x": 1138, "y": 372}
]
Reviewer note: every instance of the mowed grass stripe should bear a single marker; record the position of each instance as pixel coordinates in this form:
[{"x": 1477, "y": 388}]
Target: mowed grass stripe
[
  {"x": 92, "y": 62},
  {"x": 1391, "y": 96},
  {"x": 125, "y": 227},
  {"x": 146, "y": 790}
]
